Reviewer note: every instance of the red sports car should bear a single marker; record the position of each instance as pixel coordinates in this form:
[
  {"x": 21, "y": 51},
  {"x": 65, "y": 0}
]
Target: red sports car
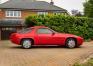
[{"x": 44, "y": 36}]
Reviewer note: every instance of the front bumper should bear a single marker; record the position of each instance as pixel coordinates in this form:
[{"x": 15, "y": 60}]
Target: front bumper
[{"x": 80, "y": 41}]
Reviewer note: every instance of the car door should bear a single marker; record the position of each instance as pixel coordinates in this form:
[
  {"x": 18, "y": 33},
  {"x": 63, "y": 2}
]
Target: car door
[
  {"x": 44, "y": 36},
  {"x": 57, "y": 39}
]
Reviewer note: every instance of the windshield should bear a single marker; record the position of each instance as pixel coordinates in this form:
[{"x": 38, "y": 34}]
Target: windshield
[{"x": 27, "y": 30}]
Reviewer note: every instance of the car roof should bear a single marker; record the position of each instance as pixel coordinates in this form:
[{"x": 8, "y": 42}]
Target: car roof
[{"x": 39, "y": 27}]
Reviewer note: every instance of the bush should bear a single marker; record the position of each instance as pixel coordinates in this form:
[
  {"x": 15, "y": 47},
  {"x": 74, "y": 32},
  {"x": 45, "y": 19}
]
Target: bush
[
  {"x": 81, "y": 26},
  {"x": 88, "y": 63},
  {"x": 30, "y": 21}
]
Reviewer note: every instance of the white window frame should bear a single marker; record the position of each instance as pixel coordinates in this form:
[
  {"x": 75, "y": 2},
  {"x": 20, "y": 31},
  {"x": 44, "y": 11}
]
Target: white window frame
[
  {"x": 13, "y": 13},
  {"x": 42, "y": 13}
]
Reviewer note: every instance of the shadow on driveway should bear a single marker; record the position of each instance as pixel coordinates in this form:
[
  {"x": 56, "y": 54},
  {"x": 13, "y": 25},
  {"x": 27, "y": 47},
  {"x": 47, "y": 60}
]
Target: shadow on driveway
[{"x": 44, "y": 47}]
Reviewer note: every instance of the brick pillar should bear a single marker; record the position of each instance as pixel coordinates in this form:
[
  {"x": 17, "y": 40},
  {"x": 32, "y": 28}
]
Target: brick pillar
[
  {"x": 19, "y": 28},
  {"x": 0, "y": 33}
]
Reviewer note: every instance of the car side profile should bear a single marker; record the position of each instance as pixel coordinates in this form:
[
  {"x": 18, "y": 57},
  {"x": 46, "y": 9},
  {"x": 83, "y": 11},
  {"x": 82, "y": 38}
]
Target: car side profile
[{"x": 44, "y": 36}]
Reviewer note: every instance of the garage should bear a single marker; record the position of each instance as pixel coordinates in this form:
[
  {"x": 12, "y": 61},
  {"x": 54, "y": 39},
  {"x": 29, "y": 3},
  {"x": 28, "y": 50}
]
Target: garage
[
  {"x": 6, "y": 31},
  {"x": 9, "y": 26}
]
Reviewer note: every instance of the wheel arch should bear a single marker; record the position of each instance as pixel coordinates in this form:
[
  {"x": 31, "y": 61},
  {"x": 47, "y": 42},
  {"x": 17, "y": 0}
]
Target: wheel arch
[
  {"x": 27, "y": 39},
  {"x": 72, "y": 38}
]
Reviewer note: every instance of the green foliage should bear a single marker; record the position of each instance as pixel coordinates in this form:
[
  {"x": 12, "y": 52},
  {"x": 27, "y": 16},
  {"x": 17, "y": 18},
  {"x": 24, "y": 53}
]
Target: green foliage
[
  {"x": 88, "y": 8},
  {"x": 81, "y": 26},
  {"x": 77, "y": 64},
  {"x": 88, "y": 63},
  {"x": 30, "y": 21}
]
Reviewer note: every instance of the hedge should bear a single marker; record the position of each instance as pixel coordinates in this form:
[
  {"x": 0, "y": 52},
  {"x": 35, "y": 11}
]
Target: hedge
[{"x": 81, "y": 26}]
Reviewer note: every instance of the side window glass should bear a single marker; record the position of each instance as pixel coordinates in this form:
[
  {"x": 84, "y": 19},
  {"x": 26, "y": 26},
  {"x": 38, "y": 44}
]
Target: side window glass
[{"x": 44, "y": 31}]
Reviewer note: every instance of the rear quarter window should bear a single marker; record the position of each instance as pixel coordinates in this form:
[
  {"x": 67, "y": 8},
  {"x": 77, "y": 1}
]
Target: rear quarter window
[{"x": 27, "y": 30}]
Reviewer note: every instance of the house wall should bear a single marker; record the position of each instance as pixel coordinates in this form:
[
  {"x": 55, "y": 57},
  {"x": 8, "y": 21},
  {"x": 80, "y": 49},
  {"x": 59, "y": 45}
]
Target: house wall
[
  {"x": 24, "y": 14},
  {"x": 0, "y": 33},
  {"x": 2, "y": 14}
]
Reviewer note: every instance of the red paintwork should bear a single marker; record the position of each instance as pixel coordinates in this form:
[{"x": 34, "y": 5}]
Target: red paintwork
[{"x": 44, "y": 39}]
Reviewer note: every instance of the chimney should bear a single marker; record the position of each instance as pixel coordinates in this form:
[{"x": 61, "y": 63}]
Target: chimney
[{"x": 52, "y": 3}]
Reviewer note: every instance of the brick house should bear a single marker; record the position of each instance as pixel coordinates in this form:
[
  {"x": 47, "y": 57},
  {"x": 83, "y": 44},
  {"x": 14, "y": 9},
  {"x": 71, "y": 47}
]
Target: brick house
[{"x": 14, "y": 12}]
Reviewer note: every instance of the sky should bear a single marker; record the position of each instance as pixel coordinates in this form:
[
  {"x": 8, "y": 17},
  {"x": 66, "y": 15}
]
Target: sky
[{"x": 67, "y": 4}]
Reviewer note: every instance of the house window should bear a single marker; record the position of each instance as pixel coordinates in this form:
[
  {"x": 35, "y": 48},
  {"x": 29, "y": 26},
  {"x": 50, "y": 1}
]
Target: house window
[
  {"x": 42, "y": 13},
  {"x": 13, "y": 13}
]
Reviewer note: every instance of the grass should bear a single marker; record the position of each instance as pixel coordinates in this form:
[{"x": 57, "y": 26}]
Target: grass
[{"x": 88, "y": 63}]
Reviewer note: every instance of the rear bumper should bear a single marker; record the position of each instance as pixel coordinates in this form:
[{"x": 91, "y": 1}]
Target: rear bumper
[{"x": 15, "y": 40}]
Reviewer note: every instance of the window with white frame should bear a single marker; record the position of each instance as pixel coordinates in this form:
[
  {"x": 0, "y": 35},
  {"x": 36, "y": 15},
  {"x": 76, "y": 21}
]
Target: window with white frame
[
  {"x": 42, "y": 13},
  {"x": 13, "y": 13}
]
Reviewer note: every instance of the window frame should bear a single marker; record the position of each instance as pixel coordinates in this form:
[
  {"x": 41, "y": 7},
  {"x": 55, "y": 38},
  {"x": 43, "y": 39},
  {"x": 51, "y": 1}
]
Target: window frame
[
  {"x": 10, "y": 13},
  {"x": 42, "y": 13},
  {"x": 25, "y": 30}
]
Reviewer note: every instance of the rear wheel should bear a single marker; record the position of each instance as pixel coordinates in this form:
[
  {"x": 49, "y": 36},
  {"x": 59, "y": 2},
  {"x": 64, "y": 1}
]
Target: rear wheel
[
  {"x": 26, "y": 43},
  {"x": 70, "y": 43}
]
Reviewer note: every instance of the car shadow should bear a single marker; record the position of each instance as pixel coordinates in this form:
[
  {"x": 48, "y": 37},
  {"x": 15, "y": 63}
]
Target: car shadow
[
  {"x": 43, "y": 47},
  {"x": 15, "y": 47}
]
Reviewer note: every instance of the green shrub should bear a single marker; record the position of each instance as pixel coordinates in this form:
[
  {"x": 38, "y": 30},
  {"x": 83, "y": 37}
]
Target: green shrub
[
  {"x": 30, "y": 21},
  {"x": 88, "y": 63},
  {"x": 81, "y": 26}
]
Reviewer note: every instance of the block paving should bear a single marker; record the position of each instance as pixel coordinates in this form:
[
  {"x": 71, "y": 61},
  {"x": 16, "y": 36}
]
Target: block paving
[{"x": 13, "y": 55}]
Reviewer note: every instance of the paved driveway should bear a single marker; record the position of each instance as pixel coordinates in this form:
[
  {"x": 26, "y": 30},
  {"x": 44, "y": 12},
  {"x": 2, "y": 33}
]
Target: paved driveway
[{"x": 12, "y": 55}]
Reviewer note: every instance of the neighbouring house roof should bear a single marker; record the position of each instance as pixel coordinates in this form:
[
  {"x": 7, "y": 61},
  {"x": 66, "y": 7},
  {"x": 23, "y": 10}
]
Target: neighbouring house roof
[
  {"x": 28, "y": 4},
  {"x": 11, "y": 23}
]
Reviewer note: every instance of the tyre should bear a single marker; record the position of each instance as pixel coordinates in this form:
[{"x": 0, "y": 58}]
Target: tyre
[
  {"x": 70, "y": 43},
  {"x": 26, "y": 44}
]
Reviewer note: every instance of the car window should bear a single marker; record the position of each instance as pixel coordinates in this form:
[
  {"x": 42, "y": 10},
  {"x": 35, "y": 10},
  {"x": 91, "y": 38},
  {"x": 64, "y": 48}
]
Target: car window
[
  {"x": 27, "y": 30},
  {"x": 44, "y": 31}
]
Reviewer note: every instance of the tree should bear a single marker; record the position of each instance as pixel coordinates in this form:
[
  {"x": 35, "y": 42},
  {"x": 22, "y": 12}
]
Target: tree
[
  {"x": 30, "y": 22},
  {"x": 76, "y": 13},
  {"x": 88, "y": 8}
]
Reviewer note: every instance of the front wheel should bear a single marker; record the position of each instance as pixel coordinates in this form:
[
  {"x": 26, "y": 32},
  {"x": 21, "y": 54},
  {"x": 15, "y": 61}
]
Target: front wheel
[
  {"x": 70, "y": 43},
  {"x": 26, "y": 43}
]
